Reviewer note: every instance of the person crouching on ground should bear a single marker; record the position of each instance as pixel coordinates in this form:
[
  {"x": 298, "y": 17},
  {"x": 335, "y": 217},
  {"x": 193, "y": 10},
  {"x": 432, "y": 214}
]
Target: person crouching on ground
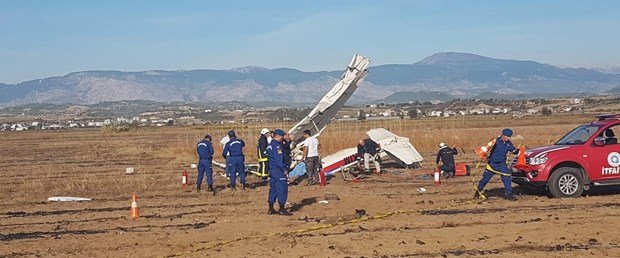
[
  {"x": 278, "y": 176},
  {"x": 496, "y": 164},
  {"x": 446, "y": 157}
]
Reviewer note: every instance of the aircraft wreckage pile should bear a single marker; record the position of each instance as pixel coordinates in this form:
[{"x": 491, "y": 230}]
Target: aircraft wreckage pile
[{"x": 394, "y": 147}]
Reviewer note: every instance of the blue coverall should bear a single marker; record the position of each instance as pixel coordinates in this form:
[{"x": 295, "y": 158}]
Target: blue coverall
[
  {"x": 233, "y": 153},
  {"x": 497, "y": 165},
  {"x": 278, "y": 182},
  {"x": 205, "y": 154}
]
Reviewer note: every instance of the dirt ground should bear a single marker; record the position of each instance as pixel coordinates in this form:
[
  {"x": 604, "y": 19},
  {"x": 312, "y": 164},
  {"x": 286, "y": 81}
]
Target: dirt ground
[{"x": 381, "y": 216}]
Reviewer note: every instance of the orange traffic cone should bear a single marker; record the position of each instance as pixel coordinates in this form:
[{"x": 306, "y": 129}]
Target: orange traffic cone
[
  {"x": 484, "y": 150},
  {"x": 521, "y": 165},
  {"x": 135, "y": 210}
]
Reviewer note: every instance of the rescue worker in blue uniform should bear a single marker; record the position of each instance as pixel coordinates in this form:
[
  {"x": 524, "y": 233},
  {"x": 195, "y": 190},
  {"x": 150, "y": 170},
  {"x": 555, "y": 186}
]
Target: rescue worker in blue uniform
[
  {"x": 205, "y": 166},
  {"x": 261, "y": 148},
  {"x": 278, "y": 175},
  {"x": 496, "y": 164},
  {"x": 233, "y": 153}
]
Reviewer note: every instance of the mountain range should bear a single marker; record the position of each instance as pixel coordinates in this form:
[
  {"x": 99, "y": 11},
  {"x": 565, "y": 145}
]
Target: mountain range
[{"x": 443, "y": 74}]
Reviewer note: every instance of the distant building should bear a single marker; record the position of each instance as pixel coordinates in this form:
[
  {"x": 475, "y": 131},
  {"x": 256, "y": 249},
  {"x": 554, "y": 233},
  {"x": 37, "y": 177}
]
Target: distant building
[{"x": 436, "y": 102}]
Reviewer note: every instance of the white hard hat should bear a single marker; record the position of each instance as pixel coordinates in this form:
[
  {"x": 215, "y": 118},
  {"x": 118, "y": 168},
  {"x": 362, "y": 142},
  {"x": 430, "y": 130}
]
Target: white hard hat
[
  {"x": 442, "y": 145},
  {"x": 264, "y": 131}
]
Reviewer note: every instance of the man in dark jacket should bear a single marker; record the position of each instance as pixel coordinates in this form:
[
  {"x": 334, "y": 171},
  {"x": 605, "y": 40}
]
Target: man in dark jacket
[
  {"x": 286, "y": 149},
  {"x": 446, "y": 157},
  {"x": 370, "y": 151}
]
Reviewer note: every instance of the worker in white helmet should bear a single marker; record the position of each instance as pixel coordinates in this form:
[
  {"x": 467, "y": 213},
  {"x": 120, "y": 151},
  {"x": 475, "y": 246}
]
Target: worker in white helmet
[
  {"x": 261, "y": 148},
  {"x": 445, "y": 160}
]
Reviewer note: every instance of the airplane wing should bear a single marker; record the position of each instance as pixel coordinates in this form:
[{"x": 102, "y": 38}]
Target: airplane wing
[
  {"x": 398, "y": 148},
  {"x": 326, "y": 109}
]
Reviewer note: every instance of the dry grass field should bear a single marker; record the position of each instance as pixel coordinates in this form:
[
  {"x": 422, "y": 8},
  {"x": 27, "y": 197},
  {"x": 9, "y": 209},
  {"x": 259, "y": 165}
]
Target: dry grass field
[{"x": 398, "y": 222}]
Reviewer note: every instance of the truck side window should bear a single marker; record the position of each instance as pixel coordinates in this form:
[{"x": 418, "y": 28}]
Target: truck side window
[{"x": 610, "y": 136}]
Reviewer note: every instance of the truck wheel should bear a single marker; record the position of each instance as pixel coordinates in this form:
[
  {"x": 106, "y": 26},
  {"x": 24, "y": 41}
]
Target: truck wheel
[{"x": 566, "y": 182}]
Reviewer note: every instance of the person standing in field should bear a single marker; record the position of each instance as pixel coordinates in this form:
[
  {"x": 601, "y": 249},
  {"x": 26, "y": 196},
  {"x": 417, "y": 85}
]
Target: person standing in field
[
  {"x": 496, "y": 164},
  {"x": 261, "y": 148},
  {"x": 205, "y": 166},
  {"x": 311, "y": 157},
  {"x": 278, "y": 175},
  {"x": 286, "y": 149},
  {"x": 223, "y": 142},
  {"x": 233, "y": 153}
]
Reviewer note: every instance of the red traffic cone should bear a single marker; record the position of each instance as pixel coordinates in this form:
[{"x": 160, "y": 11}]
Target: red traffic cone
[{"x": 437, "y": 176}]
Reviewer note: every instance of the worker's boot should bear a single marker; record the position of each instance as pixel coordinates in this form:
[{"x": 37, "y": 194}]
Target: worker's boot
[
  {"x": 479, "y": 195},
  {"x": 211, "y": 188},
  {"x": 367, "y": 172},
  {"x": 243, "y": 186},
  {"x": 283, "y": 211},
  {"x": 272, "y": 211},
  {"x": 198, "y": 189},
  {"x": 510, "y": 197}
]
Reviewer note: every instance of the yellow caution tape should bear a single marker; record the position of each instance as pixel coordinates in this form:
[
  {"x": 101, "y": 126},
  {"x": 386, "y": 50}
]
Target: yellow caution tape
[{"x": 342, "y": 223}]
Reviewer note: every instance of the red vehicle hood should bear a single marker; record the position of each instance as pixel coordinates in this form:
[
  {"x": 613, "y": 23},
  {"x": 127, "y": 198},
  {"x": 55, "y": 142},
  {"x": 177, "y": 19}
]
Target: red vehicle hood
[{"x": 544, "y": 150}]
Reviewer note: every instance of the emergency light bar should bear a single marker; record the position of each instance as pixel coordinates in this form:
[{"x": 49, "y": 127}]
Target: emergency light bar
[{"x": 607, "y": 117}]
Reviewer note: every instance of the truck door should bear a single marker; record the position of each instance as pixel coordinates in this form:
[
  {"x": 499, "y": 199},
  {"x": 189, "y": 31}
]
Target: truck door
[{"x": 605, "y": 160}]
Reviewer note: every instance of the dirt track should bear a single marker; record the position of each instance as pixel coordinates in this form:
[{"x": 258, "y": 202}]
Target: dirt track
[{"x": 439, "y": 222}]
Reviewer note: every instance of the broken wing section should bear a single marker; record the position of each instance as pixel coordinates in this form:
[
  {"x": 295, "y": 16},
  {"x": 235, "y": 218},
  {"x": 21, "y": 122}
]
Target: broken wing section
[
  {"x": 326, "y": 109},
  {"x": 398, "y": 148}
]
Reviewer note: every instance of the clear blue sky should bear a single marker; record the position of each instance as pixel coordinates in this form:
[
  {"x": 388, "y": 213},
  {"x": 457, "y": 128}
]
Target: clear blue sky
[{"x": 51, "y": 38}]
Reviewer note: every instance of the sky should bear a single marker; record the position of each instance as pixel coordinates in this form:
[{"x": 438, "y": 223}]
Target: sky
[{"x": 40, "y": 39}]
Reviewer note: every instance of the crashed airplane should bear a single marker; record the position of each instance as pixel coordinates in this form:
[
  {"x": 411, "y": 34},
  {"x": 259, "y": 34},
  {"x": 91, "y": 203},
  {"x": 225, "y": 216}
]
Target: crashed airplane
[{"x": 393, "y": 146}]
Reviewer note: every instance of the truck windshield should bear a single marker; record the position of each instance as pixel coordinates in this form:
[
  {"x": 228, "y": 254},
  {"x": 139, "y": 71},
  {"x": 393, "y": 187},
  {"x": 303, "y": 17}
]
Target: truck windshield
[{"x": 578, "y": 135}]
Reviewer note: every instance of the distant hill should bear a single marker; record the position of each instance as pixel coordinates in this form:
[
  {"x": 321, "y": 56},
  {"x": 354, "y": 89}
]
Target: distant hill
[
  {"x": 614, "y": 90},
  {"x": 459, "y": 75},
  {"x": 609, "y": 70}
]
